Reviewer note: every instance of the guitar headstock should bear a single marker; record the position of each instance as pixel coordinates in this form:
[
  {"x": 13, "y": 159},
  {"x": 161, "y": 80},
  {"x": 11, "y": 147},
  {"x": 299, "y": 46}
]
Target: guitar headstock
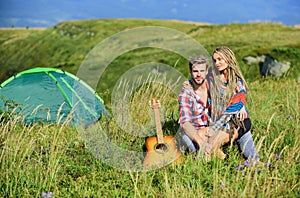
[{"x": 155, "y": 103}]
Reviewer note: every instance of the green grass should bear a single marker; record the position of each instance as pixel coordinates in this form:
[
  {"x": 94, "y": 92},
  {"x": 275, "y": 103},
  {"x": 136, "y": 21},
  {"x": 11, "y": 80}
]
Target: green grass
[
  {"x": 61, "y": 159},
  {"x": 66, "y": 45},
  {"x": 49, "y": 158}
]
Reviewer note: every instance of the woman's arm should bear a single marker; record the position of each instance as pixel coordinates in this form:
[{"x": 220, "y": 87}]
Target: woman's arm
[{"x": 238, "y": 101}]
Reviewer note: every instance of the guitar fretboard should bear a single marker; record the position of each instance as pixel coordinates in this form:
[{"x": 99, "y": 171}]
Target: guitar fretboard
[{"x": 160, "y": 137}]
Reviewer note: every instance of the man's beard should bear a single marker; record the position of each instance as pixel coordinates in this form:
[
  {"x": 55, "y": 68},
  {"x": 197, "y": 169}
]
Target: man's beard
[{"x": 198, "y": 83}]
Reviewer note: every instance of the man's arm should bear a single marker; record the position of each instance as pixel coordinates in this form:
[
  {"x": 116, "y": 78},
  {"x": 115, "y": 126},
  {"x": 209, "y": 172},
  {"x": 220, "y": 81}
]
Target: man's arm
[
  {"x": 197, "y": 136},
  {"x": 185, "y": 106}
]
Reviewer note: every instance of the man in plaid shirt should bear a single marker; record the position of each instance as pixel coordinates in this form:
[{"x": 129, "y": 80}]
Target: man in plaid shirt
[{"x": 194, "y": 105}]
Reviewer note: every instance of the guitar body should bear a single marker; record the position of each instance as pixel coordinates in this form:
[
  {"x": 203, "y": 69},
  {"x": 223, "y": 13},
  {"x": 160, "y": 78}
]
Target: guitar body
[
  {"x": 153, "y": 145},
  {"x": 161, "y": 154},
  {"x": 161, "y": 150}
]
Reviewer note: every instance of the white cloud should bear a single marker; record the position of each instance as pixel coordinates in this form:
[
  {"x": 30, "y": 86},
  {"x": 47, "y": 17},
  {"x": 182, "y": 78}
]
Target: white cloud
[
  {"x": 13, "y": 21},
  {"x": 39, "y": 22}
]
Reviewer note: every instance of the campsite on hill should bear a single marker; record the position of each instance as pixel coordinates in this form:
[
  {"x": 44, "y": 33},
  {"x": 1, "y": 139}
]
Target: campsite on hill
[{"x": 60, "y": 159}]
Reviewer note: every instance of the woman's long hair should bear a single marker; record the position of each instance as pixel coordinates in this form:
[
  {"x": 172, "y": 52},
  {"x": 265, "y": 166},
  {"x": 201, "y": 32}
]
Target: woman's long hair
[{"x": 220, "y": 101}]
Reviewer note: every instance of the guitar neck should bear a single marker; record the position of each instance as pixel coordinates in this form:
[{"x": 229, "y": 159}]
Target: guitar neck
[{"x": 160, "y": 138}]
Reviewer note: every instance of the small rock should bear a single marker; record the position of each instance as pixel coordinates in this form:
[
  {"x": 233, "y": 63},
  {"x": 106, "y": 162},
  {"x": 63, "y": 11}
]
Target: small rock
[
  {"x": 250, "y": 59},
  {"x": 274, "y": 68}
]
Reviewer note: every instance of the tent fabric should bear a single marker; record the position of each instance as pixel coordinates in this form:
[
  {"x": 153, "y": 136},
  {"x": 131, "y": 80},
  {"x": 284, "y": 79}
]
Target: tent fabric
[{"x": 53, "y": 96}]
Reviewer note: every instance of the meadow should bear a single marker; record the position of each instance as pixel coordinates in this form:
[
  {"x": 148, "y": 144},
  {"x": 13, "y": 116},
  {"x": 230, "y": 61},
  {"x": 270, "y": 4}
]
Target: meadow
[{"x": 57, "y": 160}]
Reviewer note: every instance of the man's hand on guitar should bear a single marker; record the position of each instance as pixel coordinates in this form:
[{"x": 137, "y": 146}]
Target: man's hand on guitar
[{"x": 158, "y": 105}]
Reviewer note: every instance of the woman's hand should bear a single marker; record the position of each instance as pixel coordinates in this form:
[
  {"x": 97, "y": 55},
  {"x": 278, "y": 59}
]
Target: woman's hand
[
  {"x": 186, "y": 85},
  {"x": 243, "y": 113}
]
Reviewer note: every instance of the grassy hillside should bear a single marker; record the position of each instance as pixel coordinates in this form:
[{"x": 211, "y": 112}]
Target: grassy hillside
[
  {"x": 66, "y": 45},
  {"x": 70, "y": 162}
]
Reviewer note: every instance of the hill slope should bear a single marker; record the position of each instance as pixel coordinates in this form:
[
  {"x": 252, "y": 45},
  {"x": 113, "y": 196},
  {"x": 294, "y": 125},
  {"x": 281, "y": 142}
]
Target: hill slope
[{"x": 66, "y": 45}]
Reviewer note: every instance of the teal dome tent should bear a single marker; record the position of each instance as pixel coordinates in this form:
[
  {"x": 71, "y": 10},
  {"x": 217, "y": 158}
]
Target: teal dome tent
[{"x": 53, "y": 96}]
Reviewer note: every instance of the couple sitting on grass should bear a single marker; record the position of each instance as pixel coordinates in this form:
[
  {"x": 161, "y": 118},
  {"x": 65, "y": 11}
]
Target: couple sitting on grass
[{"x": 212, "y": 107}]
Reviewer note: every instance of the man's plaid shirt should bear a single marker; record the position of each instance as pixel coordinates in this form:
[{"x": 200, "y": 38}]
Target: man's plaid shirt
[{"x": 192, "y": 109}]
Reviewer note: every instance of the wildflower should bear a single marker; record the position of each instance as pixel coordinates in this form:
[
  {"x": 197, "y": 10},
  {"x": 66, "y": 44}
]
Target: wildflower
[
  {"x": 289, "y": 117},
  {"x": 246, "y": 163},
  {"x": 46, "y": 195},
  {"x": 243, "y": 172},
  {"x": 268, "y": 164},
  {"x": 239, "y": 167},
  {"x": 277, "y": 156},
  {"x": 257, "y": 170},
  {"x": 222, "y": 185}
]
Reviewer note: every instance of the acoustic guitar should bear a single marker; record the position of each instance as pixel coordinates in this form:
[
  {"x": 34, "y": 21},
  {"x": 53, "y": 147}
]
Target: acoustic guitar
[{"x": 161, "y": 150}]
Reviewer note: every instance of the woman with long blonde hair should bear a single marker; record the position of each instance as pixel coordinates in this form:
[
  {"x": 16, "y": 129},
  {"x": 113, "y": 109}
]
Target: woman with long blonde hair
[{"x": 228, "y": 90}]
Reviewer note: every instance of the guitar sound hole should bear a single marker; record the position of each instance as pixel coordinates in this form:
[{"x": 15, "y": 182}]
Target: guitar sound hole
[{"x": 161, "y": 147}]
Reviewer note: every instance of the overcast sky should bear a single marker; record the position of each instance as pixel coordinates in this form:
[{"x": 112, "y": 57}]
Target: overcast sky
[{"x": 46, "y": 13}]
